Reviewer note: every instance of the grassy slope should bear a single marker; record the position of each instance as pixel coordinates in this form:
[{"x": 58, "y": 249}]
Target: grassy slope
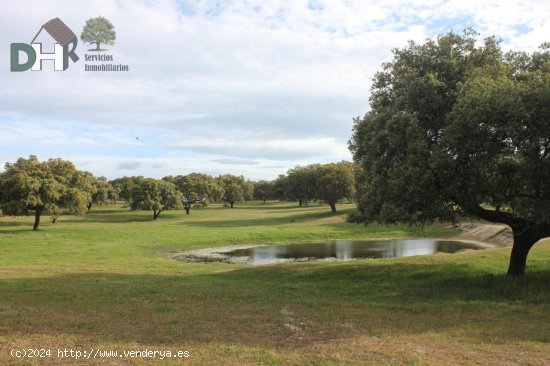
[{"x": 104, "y": 280}]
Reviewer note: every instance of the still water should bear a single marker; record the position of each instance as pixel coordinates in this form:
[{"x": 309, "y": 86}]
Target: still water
[{"x": 349, "y": 249}]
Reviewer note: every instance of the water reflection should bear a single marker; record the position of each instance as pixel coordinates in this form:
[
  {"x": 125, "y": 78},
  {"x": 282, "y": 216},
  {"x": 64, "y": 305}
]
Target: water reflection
[{"x": 350, "y": 249}]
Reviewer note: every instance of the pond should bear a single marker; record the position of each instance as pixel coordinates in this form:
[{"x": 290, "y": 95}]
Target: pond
[{"x": 333, "y": 250}]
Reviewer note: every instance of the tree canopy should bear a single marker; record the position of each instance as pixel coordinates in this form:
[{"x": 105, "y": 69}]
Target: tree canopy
[
  {"x": 263, "y": 190},
  {"x": 157, "y": 195},
  {"x": 197, "y": 189},
  {"x": 279, "y": 188},
  {"x": 202, "y": 186},
  {"x": 234, "y": 188},
  {"x": 31, "y": 185},
  {"x": 329, "y": 183},
  {"x": 334, "y": 181},
  {"x": 123, "y": 187},
  {"x": 300, "y": 183},
  {"x": 458, "y": 128},
  {"x": 102, "y": 191}
]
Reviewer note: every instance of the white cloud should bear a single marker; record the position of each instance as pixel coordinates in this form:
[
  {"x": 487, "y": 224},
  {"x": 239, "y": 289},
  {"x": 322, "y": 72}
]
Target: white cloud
[
  {"x": 276, "y": 82},
  {"x": 274, "y": 149},
  {"x": 129, "y": 165}
]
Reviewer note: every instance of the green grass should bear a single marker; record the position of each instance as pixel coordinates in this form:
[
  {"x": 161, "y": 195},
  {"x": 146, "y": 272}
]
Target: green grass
[{"x": 105, "y": 280}]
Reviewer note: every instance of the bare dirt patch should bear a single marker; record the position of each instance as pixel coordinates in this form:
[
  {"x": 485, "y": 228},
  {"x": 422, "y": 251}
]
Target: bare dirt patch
[
  {"x": 217, "y": 254},
  {"x": 499, "y": 235}
]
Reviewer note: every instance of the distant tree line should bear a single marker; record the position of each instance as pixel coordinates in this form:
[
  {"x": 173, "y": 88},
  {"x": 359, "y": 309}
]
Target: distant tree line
[
  {"x": 30, "y": 186},
  {"x": 328, "y": 183}
]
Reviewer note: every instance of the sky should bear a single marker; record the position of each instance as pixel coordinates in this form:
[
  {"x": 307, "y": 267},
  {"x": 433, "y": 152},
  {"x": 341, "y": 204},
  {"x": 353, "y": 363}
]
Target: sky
[{"x": 222, "y": 87}]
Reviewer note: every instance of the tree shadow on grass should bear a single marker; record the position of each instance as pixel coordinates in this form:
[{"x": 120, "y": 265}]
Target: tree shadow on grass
[
  {"x": 100, "y": 211},
  {"x": 105, "y": 216},
  {"x": 16, "y": 232},
  {"x": 244, "y": 305},
  {"x": 7, "y": 227},
  {"x": 14, "y": 223},
  {"x": 262, "y": 221},
  {"x": 121, "y": 219},
  {"x": 118, "y": 218},
  {"x": 271, "y": 206}
]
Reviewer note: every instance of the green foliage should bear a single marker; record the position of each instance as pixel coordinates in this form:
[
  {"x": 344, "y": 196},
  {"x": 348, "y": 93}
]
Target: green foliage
[
  {"x": 455, "y": 124},
  {"x": 49, "y": 186},
  {"x": 279, "y": 188},
  {"x": 233, "y": 193},
  {"x": 263, "y": 190},
  {"x": 334, "y": 182},
  {"x": 323, "y": 182},
  {"x": 198, "y": 186},
  {"x": 499, "y": 136},
  {"x": 101, "y": 191},
  {"x": 456, "y": 127},
  {"x": 248, "y": 190},
  {"x": 98, "y": 31},
  {"x": 157, "y": 195},
  {"x": 301, "y": 182},
  {"x": 123, "y": 187},
  {"x": 235, "y": 188}
]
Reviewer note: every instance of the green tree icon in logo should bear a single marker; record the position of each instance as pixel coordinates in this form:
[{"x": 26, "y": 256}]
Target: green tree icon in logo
[{"x": 98, "y": 31}]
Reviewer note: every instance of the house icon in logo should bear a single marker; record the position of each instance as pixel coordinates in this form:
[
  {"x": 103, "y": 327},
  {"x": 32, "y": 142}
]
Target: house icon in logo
[{"x": 64, "y": 48}]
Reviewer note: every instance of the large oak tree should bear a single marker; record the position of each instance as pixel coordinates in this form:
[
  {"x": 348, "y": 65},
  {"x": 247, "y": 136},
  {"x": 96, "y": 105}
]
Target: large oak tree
[
  {"x": 263, "y": 190},
  {"x": 124, "y": 186},
  {"x": 102, "y": 191},
  {"x": 197, "y": 189},
  {"x": 301, "y": 182},
  {"x": 334, "y": 182},
  {"x": 234, "y": 188},
  {"x": 457, "y": 127},
  {"x": 48, "y": 186},
  {"x": 156, "y": 195}
]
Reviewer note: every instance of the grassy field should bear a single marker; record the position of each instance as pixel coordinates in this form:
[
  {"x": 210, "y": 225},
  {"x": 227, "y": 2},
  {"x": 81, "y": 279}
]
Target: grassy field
[{"x": 105, "y": 281}]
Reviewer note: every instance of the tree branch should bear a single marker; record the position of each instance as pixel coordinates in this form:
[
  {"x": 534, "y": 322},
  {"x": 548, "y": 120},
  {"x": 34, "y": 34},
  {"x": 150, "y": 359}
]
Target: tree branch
[{"x": 497, "y": 216}]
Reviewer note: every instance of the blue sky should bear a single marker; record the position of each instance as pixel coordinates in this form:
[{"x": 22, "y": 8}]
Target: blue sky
[{"x": 241, "y": 87}]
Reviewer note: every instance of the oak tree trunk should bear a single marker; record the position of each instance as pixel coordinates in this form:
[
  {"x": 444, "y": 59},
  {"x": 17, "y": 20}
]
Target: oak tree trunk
[
  {"x": 37, "y": 212},
  {"x": 524, "y": 238},
  {"x": 332, "y": 207},
  {"x": 526, "y": 234}
]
